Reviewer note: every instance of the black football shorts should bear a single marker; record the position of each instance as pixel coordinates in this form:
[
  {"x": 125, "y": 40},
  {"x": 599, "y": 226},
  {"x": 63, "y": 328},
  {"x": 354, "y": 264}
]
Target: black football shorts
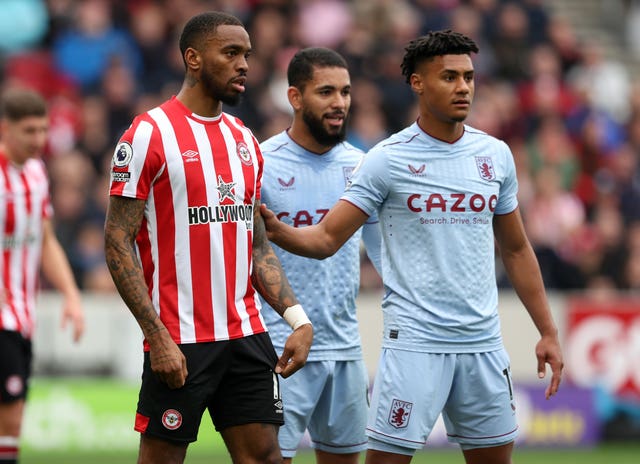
[
  {"x": 15, "y": 366},
  {"x": 233, "y": 379}
]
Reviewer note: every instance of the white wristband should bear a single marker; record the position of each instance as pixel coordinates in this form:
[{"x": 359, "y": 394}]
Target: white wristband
[{"x": 295, "y": 316}]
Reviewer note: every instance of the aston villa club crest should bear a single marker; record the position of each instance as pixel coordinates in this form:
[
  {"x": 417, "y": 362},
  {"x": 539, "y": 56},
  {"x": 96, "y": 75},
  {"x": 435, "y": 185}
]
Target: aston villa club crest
[
  {"x": 485, "y": 167},
  {"x": 243, "y": 153},
  {"x": 171, "y": 419},
  {"x": 400, "y": 413},
  {"x": 348, "y": 173}
]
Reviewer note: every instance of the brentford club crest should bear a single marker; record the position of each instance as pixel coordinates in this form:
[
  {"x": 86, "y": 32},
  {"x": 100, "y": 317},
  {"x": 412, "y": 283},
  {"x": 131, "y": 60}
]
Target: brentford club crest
[
  {"x": 14, "y": 385},
  {"x": 400, "y": 413},
  {"x": 171, "y": 419},
  {"x": 485, "y": 167},
  {"x": 243, "y": 153}
]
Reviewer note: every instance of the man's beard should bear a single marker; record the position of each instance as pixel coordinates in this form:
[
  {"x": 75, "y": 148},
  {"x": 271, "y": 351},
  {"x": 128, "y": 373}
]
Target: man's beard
[
  {"x": 322, "y": 136},
  {"x": 231, "y": 99},
  {"x": 218, "y": 92}
]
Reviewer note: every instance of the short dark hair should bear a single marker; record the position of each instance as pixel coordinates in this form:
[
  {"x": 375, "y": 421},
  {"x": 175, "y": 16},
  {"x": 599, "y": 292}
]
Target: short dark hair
[
  {"x": 301, "y": 66},
  {"x": 200, "y": 26},
  {"x": 435, "y": 43},
  {"x": 20, "y": 103}
]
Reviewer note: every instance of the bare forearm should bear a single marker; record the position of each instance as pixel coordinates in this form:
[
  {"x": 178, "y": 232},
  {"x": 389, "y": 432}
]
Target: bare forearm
[
  {"x": 271, "y": 282},
  {"x": 121, "y": 227},
  {"x": 305, "y": 241},
  {"x": 313, "y": 241},
  {"x": 128, "y": 278},
  {"x": 526, "y": 279},
  {"x": 57, "y": 270},
  {"x": 523, "y": 270},
  {"x": 268, "y": 277}
]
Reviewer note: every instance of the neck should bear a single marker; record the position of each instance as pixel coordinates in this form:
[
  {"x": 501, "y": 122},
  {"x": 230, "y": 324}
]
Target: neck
[
  {"x": 300, "y": 134},
  {"x": 197, "y": 102},
  {"x": 445, "y": 131},
  {"x": 6, "y": 153}
]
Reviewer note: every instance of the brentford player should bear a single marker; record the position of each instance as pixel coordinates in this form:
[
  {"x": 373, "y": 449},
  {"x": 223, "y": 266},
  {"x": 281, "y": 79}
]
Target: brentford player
[
  {"x": 29, "y": 244},
  {"x": 186, "y": 246}
]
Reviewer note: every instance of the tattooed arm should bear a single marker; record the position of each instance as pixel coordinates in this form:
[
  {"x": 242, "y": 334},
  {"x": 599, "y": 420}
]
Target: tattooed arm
[
  {"x": 124, "y": 217},
  {"x": 270, "y": 281}
]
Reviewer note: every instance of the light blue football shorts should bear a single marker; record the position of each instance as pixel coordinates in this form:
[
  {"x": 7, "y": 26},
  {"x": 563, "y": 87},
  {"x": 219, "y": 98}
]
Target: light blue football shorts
[
  {"x": 473, "y": 391},
  {"x": 331, "y": 400}
]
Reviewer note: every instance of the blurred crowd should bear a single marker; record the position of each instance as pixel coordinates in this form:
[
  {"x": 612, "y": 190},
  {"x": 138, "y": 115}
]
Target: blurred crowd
[{"x": 570, "y": 112}]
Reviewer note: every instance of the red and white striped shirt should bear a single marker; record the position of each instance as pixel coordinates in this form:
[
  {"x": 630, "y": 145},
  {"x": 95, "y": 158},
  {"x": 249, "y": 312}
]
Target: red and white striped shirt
[
  {"x": 200, "y": 178},
  {"x": 24, "y": 203}
]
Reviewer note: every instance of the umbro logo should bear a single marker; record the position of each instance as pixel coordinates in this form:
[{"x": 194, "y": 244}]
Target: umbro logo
[
  {"x": 190, "y": 156},
  {"x": 278, "y": 407}
]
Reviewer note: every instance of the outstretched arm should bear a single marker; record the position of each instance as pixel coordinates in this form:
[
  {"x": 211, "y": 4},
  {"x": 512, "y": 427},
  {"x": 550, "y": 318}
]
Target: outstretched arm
[
  {"x": 124, "y": 217},
  {"x": 523, "y": 270},
  {"x": 319, "y": 240},
  {"x": 270, "y": 281},
  {"x": 56, "y": 268}
]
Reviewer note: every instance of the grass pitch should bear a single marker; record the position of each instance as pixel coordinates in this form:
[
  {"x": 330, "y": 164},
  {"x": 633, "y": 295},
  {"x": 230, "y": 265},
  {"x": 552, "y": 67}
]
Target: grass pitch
[
  {"x": 605, "y": 454},
  {"x": 90, "y": 421}
]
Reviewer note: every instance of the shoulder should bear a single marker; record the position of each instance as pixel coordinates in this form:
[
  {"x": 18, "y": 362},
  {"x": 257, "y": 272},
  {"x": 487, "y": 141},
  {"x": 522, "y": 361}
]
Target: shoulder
[
  {"x": 230, "y": 118},
  {"x": 411, "y": 135},
  {"x": 35, "y": 164},
  {"x": 348, "y": 153},
  {"x": 480, "y": 137},
  {"x": 477, "y": 135},
  {"x": 36, "y": 168},
  {"x": 275, "y": 143},
  {"x": 143, "y": 127},
  {"x": 234, "y": 121},
  {"x": 349, "y": 148},
  {"x": 149, "y": 118}
]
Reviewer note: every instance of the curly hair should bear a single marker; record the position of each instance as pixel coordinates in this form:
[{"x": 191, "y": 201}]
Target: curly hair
[{"x": 435, "y": 43}]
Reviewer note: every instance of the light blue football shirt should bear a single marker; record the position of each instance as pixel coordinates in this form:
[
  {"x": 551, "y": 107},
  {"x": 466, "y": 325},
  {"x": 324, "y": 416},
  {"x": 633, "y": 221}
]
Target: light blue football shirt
[
  {"x": 300, "y": 187},
  {"x": 435, "y": 202}
]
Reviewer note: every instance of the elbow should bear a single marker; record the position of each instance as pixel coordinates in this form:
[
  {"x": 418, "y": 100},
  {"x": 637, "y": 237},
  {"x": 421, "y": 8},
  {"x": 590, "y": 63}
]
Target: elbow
[{"x": 325, "y": 250}]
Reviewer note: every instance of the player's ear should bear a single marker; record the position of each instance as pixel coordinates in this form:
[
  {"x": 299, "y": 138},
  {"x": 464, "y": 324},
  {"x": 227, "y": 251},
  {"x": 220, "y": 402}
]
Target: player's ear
[
  {"x": 193, "y": 59},
  {"x": 416, "y": 83},
  {"x": 295, "y": 97}
]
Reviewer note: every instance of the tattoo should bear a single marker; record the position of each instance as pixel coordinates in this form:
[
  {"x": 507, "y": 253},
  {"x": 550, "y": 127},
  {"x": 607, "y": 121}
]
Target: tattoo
[
  {"x": 268, "y": 277},
  {"x": 123, "y": 220},
  {"x": 191, "y": 81}
]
